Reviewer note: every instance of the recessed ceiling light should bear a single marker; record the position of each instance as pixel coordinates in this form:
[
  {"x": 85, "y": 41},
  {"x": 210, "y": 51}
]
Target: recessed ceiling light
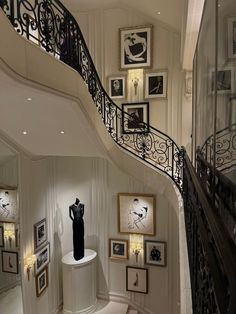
[
  {"x": 62, "y": 132},
  {"x": 24, "y": 132},
  {"x": 159, "y": 12},
  {"x": 29, "y": 99}
]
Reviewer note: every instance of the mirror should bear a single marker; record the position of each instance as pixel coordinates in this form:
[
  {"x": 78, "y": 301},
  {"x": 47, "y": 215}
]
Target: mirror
[{"x": 10, "y": 278}]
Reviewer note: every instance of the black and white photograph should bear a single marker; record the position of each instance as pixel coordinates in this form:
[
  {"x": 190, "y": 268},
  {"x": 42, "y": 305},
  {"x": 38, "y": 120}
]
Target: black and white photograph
[
  {"x": 42, "y": 258},
  {"x": 117, "y": 87},
  {"x": 136, "y": 47},
  {"x": 40, "y": 233},
  {"x": 41, "y": 281},
  {"x": 1, "y": 236},
  {"x": 155, "y": 253},
  {"x": 118, "y": 249},
  {"x": 231, "y": 38},
  {"x": 136, "y": 279},
  {"x": 8, "y": 205},
  {"x": 136, "y": 213},
  {"x": 10, "y": 262},
  {"x": 225, "y": 81},
  {"x": 135, "y": 117},
  {"x": 156, "y": 85}
]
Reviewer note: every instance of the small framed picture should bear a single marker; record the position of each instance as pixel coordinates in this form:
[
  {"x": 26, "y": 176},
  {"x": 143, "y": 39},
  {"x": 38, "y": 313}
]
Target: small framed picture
[
  {"x": 10, "y": 263},
  {"x": 118, "y": 249},
  {"x": 17, "y": 236},
  {"x": 41, "y": 281},
  {"x": 42, "y": 258},
  {"x": 231, "y": 37},
  {"x": 40, "y": 233},
  {"x": 136, "y": 213},
  {"x": 155, "y": 253},
  {"x": 225, "y": 81},
  {"x": 135, "y": 118},
  {"x": 136, "y": 47},
  {"x": 156, "y": 84},
  {"x": 8, "y": 205},
  {"x": 1, "y": 236},
  {"x": 117, "y": 87},
  {"x": 137, "y": 279}
]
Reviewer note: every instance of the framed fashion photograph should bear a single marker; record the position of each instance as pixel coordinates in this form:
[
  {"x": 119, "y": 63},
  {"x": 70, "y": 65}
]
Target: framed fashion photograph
[
  {"x": 135, "y": 118},
  {"x": 136, "y": 213},
  {"x": 1, "y": 236},
  {"x": 231, "y": 37},
  {"x": 118, "y": 249},
  {"x": 135, "y": 47},
  {"x": 117, "y": 87},
  {"x": 10, "y": 262},
  {"x": 41, "y": 281},
  {"x": 40, "y": 233},
  {"x": 225, "y": 81},
  {"x": 156, "y": 84},
  {"x": 8, "y": 205},
  {"x": 42, "y": 258},
  {"x": 17, "y": 236},
  {"x": 137, "y": 279},
  {"x": 155, "y": 253}
]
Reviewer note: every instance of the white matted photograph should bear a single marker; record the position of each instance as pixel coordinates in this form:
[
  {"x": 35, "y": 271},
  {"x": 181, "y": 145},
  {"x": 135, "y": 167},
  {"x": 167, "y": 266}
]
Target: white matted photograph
[
  {"x": 41, "y": 281},
  {"x": 155, "y": 253},
  {"x": 118, "y": 249},
  {"x": 231, "y": 37},
  {"x": 135, "y": 118},
  {"x": 8, "y": 205},
  {"x": 117, "y": 87},
  {"x": 224, "y": 81},
  {"x": 10, "y": 263},
  {"x": 42, "y": 258},
  {"x": 136, "y": 213},
  {"x": 136, "y": 47},
  {"x": 40, "y": 233},
  {"x": 136, "y": 279},
  {"x": 156, "y": 84}
]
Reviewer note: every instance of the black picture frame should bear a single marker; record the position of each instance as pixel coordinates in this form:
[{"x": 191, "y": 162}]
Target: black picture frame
[
  {"x": 118, "y": 249},
  {"x": 2, "y": 244},
  {"x": 117, "y": 86},
  {"x": 10, "y": 262},
  {"x": 40, "y": 233},
  {"x": 135, "y": 118},
  {"x": 137, "y": 279}
]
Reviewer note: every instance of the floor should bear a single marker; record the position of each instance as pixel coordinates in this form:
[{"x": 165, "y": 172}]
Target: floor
[{"x": 11, "y": 301}]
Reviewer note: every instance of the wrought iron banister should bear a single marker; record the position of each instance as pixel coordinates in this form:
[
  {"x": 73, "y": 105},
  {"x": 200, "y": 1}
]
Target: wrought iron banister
[
  {"x": 212, "y": 253},
  {"x": 50, "y": 25}
]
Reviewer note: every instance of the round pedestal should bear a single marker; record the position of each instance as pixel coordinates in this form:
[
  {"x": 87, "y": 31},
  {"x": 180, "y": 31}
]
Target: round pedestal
[{"x": 79, "y": 283}]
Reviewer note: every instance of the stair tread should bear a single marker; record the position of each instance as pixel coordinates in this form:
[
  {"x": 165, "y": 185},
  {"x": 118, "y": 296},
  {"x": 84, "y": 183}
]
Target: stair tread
[{"x": 114, "y": 308}]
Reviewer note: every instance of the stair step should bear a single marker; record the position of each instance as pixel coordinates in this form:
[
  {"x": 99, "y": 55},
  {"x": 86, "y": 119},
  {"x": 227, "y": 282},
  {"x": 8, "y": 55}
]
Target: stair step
[{"x": 114, "y": 308}]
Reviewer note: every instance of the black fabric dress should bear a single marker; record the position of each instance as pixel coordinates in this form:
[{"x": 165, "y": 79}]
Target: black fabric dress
[{"x": 78, "y": 238}]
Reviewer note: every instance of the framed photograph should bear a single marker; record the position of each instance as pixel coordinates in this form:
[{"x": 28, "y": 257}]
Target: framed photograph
[
  {"x": 8, "y": 205},
  {"x": 135, "y": 118},
  {"x": 41, "y": 281},
  {"x": 117, "y": 87},
  {"x": 118, "y": 249},
  {"x": 17, "y": 237},
  {"x": 40, "y": 233},
  {"x": 155, "y": 253},
  {"x": 136, "y": 47},
  {"x": 231, "y": 37},
  {"x": 136, "y": 213},
  {"x": 10, "y": 263},
  {"x": 225, "y": 81},
  {"x": 156, "y": 84},
  {"x": 42, "y": 258},
  {"x": 1, "y": 236},
  {"x": 137, "y": 279}
]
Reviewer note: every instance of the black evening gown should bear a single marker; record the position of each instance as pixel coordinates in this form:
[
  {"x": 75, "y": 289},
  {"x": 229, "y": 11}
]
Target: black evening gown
[{"x": 78, "y": 238}]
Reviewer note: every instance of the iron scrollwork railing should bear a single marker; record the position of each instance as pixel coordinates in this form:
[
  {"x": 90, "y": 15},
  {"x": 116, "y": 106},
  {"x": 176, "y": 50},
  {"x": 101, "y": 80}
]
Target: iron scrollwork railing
[
  {"x": 50, "y": 25},
  {"x": 211, "y": 252}
]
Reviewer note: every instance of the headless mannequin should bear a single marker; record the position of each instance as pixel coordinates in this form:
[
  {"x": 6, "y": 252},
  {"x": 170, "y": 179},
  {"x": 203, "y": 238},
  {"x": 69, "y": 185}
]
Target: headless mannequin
[{"x": 76, "y": 213}]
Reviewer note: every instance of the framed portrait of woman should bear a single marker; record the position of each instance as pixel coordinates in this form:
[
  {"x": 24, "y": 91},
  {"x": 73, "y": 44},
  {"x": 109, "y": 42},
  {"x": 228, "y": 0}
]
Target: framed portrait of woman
[{"x": 136, "y": 47}]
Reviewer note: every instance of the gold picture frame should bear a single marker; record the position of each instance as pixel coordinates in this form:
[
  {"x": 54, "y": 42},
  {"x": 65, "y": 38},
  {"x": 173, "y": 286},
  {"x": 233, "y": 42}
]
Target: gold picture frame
[{"x": 118, "y": 249}]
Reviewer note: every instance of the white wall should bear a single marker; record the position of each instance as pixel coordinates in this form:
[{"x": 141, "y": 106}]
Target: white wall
[
  {"x": 101, "y": 31},
  {"x": 49, "y": 186}
]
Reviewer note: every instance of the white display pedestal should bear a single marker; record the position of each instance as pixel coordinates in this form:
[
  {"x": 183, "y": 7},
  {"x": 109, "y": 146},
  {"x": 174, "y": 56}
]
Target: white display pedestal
[{"x": 79, "y": 283}]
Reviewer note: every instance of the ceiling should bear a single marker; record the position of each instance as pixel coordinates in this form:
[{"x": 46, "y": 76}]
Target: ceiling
[
  {"x": 171, "y": 11},
  {"x": 44, "y": 117}
]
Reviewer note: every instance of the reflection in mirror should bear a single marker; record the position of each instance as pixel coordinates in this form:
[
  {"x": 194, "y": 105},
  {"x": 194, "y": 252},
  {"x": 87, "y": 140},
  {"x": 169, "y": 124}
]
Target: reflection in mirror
[{"x": 10, "y": 278}]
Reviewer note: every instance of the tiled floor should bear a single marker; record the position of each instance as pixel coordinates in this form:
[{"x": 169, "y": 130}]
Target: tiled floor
[{"x": 11, "y": 301}]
